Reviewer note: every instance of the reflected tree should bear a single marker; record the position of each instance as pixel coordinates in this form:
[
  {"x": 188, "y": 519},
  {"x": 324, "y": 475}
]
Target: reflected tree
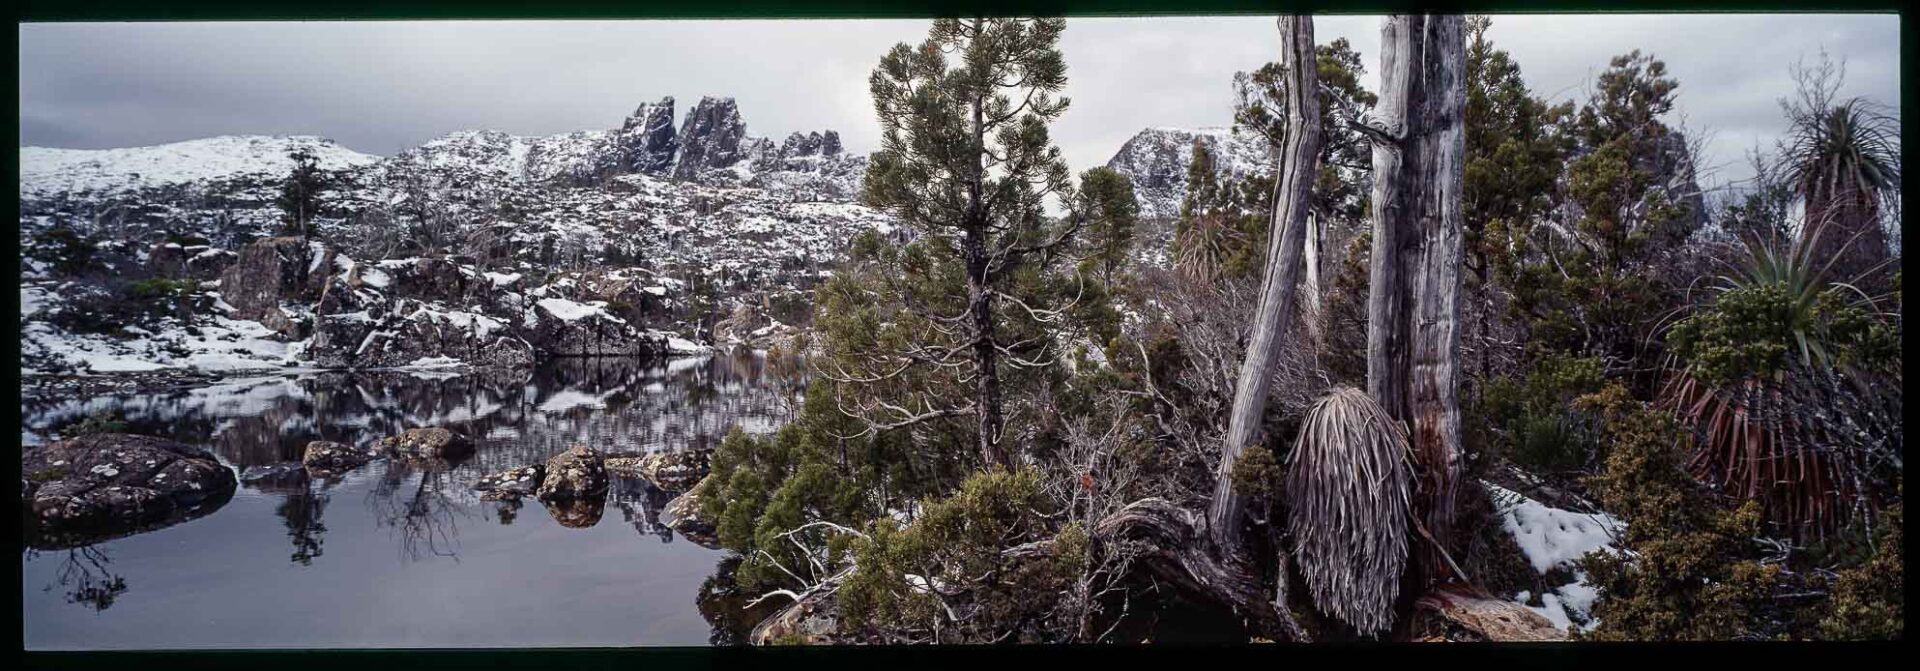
[
  {"x": 425, "y": 516},
  {"x": 301, "y": 511},
  {"x": 85, "y": 576}
]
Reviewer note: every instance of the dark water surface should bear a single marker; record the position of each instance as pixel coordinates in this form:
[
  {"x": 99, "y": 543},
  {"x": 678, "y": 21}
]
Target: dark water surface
[{"x": 399, "y": 554}]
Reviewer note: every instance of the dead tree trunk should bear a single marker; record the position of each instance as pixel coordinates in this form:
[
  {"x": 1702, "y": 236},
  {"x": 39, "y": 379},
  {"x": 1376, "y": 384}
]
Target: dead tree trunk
[
  {"x": 1413, "y": 335},
  {"x": 1395, "y": 171},
  {"x": 1298, "y": 165},
  {"x": 1435, "y": 375}
]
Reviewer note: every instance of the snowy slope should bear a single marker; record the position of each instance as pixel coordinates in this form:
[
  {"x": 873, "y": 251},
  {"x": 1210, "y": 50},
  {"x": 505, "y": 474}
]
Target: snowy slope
[{"x": 47, "y": 172}]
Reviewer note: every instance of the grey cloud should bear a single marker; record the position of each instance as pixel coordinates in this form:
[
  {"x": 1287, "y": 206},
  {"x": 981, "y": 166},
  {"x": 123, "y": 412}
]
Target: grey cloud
[{"x": 380, "y": 87}]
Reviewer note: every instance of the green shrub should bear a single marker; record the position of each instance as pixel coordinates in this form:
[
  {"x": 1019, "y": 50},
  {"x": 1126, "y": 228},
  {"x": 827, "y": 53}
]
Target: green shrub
[
  {"x": 1688, "y": 573},
  {"x": 1531, "y": 423},
  {"x": 956, "y": 546},
  {"x": 1868, "y": 600}
]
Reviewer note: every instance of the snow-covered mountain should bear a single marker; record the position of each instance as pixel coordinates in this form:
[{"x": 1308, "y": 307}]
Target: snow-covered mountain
[
  {"x": 598, "y": 241},
  {"x": 615, "y": 241},
  {"x": 1157, "y": 159},
  {"x": 47, "y": 172}
]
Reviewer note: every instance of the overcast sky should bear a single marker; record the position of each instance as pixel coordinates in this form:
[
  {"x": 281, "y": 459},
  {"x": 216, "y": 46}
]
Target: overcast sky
[{"x": 382, "y": 87}]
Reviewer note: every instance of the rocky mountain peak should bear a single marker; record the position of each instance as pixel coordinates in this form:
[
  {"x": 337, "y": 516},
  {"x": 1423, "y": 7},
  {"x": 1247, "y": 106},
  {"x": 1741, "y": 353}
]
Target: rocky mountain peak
[
  {"x": 709, "y": 138},
  {"x": 645, "y": 143}
]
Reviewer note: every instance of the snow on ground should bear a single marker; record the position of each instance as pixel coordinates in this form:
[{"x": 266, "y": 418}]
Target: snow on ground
[
  {"x": 567, "y": 310},
  {"x": 1554, "y": 538},
  {"x": 223, "y": 346}
]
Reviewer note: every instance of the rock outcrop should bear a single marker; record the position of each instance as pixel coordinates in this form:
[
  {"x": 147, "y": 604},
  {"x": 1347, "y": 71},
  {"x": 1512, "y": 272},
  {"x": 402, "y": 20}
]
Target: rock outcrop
[
  {"x": 1157, "y": 161},
  {"x": 578, "y": 473},
  {"x": 645, "y": 143},
  {"x": 709, "y": 138},
  {"x": 272, "y": 272},
  {"x": 105, "y": 485},
  {"x": 433, "y": 443}
]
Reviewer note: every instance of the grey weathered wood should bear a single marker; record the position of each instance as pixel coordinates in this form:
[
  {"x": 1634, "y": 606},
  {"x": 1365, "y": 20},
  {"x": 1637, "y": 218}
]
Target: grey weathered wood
[
  {"x": 1299, "y": 162},
  {"x": 1394, "y": 171},
  {"x": 1413, "y": 310},
  {"x": 1434, "y": 394}
]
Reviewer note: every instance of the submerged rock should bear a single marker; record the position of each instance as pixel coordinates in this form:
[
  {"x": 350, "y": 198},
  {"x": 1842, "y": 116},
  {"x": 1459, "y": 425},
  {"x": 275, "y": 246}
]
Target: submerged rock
[
  {"x": 110, "y": 484},
  {"x": 512, "y": 482},
  {"x": 328, "y": 457},
  {"x": 676, "y": 471},
  {"x": 276, "y": 478},
  {"x": 578, "y": 473},
  {"x": 433, "y": 442}
]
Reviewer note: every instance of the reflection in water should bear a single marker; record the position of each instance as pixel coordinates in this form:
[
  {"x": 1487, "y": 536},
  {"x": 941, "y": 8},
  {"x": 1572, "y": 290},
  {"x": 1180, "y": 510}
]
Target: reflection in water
[
  {"x": 725, "y": 607},
  {"x": 301, "y": 511},
  {"x": 640, "y": 504},
  {"x": 417, "y": 507},
  {"x": 85, "y": 578},
  {"x": 578, "y": 513},
  {"x": 423, "y": 515},
  {"x": 516, "y": 417}
]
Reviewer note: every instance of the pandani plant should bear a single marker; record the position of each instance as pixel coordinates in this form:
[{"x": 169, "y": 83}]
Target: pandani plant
[
  {"x": 1348, "y": 491},
  {"x": 1790, "y": 385}
]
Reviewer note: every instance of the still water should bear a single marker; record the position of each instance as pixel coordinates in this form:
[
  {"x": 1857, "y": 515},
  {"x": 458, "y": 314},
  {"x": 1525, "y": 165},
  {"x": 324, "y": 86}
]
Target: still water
[{"x": 395, "y": 554}]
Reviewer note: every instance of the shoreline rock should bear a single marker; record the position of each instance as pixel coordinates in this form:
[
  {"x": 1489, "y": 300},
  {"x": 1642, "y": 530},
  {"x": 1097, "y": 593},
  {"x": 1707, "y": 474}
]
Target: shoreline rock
[
  {"x": 513, "y": 482},
  {"x": 675, "y": 472}
]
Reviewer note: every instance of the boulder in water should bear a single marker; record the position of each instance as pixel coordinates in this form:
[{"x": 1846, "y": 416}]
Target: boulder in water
[
  {"x": 432, "y": 442},
  {"x": 675, "y": 471},
  {"x": 578, "y": 473},
  {"x": 327, "y": 457},
  {"x": 512, "y": 482},
  {"x": 114, "y": 483}
]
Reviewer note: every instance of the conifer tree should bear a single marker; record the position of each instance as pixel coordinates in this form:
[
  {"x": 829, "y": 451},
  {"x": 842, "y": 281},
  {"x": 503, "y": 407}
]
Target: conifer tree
[
  {"x": 300, "y": 193},
  {"x": 966, "y": 163}
]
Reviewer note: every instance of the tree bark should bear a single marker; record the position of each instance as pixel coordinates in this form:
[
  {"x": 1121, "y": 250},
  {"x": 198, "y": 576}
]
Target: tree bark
[
  {"x": 1297, "y": 168},
  {"x": 1435, "y": 374},
  {"x": 980, "y": 294},
  {"x": 1413, "y": 333},
  {"x": 1394, "y": 173}
]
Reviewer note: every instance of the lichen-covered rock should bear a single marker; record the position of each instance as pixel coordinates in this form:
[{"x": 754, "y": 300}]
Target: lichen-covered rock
[
  {"x": 810, "y": 621},
  {"x": 578, "y": 473},
  {"x": 512, "y": 482},
  {"x": 327, "y": 457},
  {"x": 108, "y": 484},
  {"x": 675, "y": 471},
  {"x": 433, "y": 442},
  {"x": 682, "y": 515}
]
